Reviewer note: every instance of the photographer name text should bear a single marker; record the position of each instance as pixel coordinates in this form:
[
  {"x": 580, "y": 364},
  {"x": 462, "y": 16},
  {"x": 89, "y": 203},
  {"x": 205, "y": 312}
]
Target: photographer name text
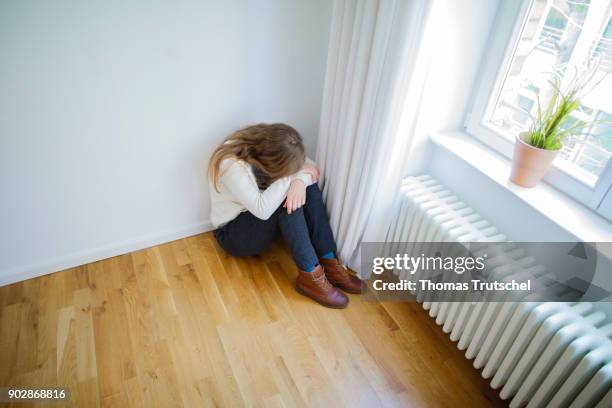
[{"x": 473, "y": 285}]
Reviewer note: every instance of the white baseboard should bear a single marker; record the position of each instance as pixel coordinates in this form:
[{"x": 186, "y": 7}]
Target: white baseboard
[{"x": 95, "y": 254}]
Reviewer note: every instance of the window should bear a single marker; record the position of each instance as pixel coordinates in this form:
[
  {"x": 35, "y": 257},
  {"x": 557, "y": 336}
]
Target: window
[{"x": 531, "y": 39}]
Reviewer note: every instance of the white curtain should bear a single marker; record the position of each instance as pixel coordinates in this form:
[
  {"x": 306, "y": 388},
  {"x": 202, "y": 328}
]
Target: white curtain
[{"x": 373, "y": 84}]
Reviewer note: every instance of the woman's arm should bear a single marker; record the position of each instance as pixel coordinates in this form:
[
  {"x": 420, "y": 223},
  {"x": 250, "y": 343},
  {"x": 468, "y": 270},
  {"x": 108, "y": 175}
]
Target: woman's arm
[
  {"x": 262, "y": 204},
  {"x": 296, "y": 196},
  {"x": 310, "y": 167}
]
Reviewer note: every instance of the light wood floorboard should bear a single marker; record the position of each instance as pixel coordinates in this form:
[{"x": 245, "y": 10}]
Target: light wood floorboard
[{"x": 184, "y": 324}]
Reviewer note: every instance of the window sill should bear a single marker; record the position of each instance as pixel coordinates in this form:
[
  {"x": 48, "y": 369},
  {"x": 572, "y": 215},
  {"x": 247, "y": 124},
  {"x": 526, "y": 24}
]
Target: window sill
[{"x": 570, "y": 215}]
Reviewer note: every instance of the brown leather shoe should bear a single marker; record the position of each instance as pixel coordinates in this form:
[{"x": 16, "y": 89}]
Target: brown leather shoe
[
  {"x": 315, "y": 285},
  {"x": 340, "y": 276}
]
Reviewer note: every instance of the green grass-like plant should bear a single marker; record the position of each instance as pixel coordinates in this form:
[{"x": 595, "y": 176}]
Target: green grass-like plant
[{"x": 553, "y": 124}]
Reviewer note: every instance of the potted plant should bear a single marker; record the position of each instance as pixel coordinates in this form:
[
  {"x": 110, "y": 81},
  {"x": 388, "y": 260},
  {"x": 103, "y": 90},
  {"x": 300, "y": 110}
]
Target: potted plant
[{"x": 535, "y": 150}]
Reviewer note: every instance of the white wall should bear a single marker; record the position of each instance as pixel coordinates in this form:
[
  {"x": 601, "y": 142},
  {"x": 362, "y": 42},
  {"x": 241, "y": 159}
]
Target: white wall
[
  {"x": 109, "y": 111},
  {"x": 455, "y": 40}
]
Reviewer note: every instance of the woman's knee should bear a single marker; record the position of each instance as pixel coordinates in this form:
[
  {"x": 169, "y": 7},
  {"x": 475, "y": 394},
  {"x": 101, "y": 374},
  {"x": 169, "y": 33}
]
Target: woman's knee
[{"x": 313, "y": 192}]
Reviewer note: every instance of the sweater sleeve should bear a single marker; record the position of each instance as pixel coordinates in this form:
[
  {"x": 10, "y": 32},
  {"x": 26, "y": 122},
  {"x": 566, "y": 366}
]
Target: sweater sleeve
[
  {"x": 262, "y": 204},
  {"x": 305, "y": 177}
]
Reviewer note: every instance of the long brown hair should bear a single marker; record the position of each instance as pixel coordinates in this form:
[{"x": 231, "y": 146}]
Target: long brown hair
[{"x": 275, "y": 150}]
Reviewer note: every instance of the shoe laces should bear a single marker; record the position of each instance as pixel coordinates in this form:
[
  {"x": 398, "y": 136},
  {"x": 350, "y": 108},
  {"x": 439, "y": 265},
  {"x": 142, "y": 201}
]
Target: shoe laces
[{"x": 322, "y": 282}]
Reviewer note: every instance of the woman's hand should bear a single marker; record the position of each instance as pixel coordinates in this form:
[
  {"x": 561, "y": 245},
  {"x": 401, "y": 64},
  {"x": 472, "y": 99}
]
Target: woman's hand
[
  {"x": 296, "y": 196},
  {"x": 313, "y": 170}
]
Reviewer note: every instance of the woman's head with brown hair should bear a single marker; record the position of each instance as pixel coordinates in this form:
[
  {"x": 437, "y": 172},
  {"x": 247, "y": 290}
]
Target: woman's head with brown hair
[{"x": 276, "y": 150}]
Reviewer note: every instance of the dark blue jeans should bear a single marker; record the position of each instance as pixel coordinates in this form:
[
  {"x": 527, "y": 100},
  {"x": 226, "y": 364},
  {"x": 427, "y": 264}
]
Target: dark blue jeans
[{"x": 306, "y": 231}]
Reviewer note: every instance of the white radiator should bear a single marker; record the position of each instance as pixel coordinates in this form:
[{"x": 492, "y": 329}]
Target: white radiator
[{"x": 540, "y": 354}]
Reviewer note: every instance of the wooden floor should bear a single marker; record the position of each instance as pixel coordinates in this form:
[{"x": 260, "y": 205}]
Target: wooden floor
[{"x": 184, "y": 324}]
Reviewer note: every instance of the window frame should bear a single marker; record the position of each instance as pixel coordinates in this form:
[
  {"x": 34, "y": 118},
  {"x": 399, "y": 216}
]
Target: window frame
[{"x": 508, "y": 26}]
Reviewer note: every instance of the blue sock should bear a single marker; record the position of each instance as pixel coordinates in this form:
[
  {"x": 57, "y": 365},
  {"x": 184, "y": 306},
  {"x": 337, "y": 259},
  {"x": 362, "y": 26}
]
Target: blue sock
[
  {"x": 311, "y": 268},
  {"x": 329, "y": 255}
]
